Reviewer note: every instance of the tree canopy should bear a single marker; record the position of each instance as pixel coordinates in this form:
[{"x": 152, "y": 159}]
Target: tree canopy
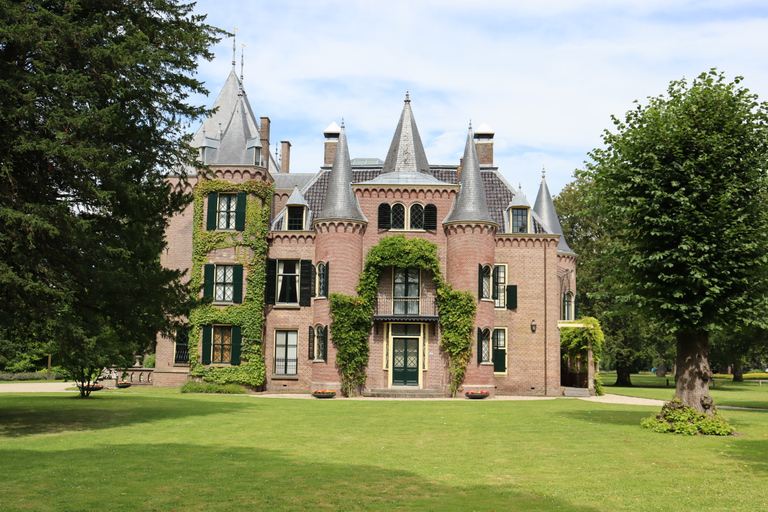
[
  {"x": 94, "y": 115},
  {"x": 681, "y": 183}
]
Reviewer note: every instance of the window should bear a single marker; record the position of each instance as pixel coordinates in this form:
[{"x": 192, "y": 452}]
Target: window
[
  {"x": 286, "y": 352},
  {"x": 221, "y": 344},
  {"x": 417, "y": 216},
  {"x": 295, "y": 218},
  {"x": 226, "y": 211},
  {"x": 499, "y": 354},
  {"x": 406, "y": 291},
  {"x": 223, "y": 283},
  {"x": 519, "y": 220},
  {"x": 567, "y": 313},
  {"x": 484, "y": 287},
  {"x": 181, "y": 352},
  {"x": 321, "y": 343},
  {"x": 499, "y": 286},
  {"x": 483, "y": 345},
  {"x": 398, "y": 216},
  {"x": 322, "y": 279},
  {"x": 289, "y": 282}
]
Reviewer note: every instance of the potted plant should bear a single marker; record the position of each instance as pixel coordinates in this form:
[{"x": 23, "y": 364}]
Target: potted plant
[
  {"x": 123, "y": 384},
  {"x": 477, "y": 394},
  {"x": 94, "y": 387},
  {"x": 323, "y": 393}
]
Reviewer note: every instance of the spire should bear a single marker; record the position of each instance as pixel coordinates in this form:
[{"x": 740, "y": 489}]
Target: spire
[
  {"x": 406, "y": 153},
  {"x": 340, "y": 201},
  {"x": 470, "y": 204},
  {"x": 234, "y": 50},
  {"x": 545, "y": 209},
  {"x": 234, "y": 139}
]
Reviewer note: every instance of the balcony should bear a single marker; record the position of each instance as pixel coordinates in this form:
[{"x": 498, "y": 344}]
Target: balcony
[{"x": 419, "y": 309}]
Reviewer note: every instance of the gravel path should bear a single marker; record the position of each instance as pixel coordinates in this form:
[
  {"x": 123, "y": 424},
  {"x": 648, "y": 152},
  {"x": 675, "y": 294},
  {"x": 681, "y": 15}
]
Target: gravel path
[{"x": 35, "y": 387}]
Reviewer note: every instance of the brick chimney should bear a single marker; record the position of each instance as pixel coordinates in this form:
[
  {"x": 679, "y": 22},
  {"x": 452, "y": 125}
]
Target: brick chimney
[
  {"x": 265, "y": 141},
  {"x": 484, "y": 145},
  {"x": 285, "y": 157},
  {"x": 331, "y": 142}
]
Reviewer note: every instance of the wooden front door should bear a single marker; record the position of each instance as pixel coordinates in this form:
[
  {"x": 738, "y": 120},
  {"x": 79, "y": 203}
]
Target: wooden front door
[{"x": 405, "y": 362}]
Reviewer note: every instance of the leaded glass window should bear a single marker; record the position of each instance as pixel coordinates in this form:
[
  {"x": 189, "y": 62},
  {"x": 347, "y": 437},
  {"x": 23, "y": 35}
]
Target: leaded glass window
[
  {"x": 417, "y": 216},
  {"x": 222, "y": 344},
  {"x": 519, "y": 220},
  {"x": 398, "y": 216},
  {"x": 224, "y": 284},
  {"x": 226, "y": 211}
]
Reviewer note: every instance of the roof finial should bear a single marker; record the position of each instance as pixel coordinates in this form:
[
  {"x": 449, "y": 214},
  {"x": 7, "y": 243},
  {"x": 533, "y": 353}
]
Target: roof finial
[
  {"x": 470, "y": 123},
  {"x": 242, "y": 63},
  {"x": 543, "y": 172},
  {"x": 342, "y": 123},
  {"x": 407, "y": 97},
  {"x": 234, "y": 49}
]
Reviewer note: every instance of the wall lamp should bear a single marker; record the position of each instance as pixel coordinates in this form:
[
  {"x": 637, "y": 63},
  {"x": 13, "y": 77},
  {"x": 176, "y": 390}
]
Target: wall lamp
[{"x": 533, "y": 325}]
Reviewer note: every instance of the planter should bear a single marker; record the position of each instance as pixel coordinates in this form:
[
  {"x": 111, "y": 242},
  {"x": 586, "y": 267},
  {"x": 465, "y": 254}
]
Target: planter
[
  {"x": 123, "y": 385},
  {"x": 323, "y": 394},
  {"x": 477, "y": 395},
  {"x": 94, "y": 387}
]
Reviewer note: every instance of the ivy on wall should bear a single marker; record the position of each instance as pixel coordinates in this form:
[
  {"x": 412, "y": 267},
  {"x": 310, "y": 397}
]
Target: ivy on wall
[
  {"x": 250, "y": 248},
  {"x": 576, "y": 341},
  {"x": 352, "y": 316}
]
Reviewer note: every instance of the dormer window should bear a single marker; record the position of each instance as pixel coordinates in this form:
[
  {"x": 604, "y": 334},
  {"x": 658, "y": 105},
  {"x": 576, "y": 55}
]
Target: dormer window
[
  {"x": 295, "y": 218},
  {"x": 254, "y": 151},
  {"x": 519, "y": 220}
]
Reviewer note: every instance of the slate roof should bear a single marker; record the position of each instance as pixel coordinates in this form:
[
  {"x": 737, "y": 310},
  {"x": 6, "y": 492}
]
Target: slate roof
[
  {"x": 341, "y": 202},
  {"x": 406, "y": 153},
  {"x": 545, "y": 209},
  {"x": 471, "y": 203}
]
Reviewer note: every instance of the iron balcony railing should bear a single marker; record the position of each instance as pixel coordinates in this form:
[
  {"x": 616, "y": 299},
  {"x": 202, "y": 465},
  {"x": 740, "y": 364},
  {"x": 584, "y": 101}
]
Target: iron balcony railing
[{"x": 422, "y": 307}]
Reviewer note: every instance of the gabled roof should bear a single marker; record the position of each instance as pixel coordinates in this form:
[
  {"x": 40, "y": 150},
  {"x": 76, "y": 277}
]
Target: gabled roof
[
  {"x": 296, "y": 199},
  {"x": 545, "y": 208},
  {"x": 470, "y": 204},
  {"x": 406, "y": 153},
  {"x": 340, "y": 201}
]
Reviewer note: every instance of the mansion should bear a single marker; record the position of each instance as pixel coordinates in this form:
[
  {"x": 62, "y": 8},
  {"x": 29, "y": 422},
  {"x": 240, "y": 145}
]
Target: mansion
[{"x": 267, "y": 248}]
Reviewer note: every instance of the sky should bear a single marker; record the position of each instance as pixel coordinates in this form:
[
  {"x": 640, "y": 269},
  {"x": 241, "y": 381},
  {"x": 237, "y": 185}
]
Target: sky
[{"x": 546, "y": 76}]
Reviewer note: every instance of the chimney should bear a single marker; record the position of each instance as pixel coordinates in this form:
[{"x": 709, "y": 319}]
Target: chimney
[
  {"x": 285, "y": 157},
  {"x": 265, "y": 141},
  {"x": 331, "y": 142},
  {"x": 484, "y": 145}
]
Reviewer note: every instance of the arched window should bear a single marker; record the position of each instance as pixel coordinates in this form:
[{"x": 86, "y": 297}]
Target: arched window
[
  {"x": 484, "y": 285},
  {"x": 398, "y": 216},
  {"x": 483, "y": 345},
  {"x": 417, "y": 216},
  {"x": 567, "y": 313},
  {"x": 322, "y": 279}
]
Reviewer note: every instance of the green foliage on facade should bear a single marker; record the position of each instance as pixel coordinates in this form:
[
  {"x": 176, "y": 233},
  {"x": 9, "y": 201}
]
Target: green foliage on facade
[
  {"x": 574, "y": 341},
  {"x": 352, "y": 316},
  {"x": 251, "y": 249}
]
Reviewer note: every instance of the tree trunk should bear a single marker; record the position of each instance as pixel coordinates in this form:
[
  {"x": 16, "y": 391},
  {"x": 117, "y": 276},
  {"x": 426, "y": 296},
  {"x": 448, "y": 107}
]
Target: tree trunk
[
  {"x": 692, "y": 371},
  {"x": 738, "y": 372},
  {"x": 622, "y": 372},
  {"x": 661, "y": 369}
]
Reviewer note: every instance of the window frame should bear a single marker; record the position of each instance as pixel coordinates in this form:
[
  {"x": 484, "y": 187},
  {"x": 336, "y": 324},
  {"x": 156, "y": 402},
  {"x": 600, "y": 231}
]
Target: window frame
[
  {"x": 567, "y": 308},
  {"x": 221, "y": 329},
  {"x": 408, "y": 283},
  {"x": 484, "y": 346},
  {"x": 321, "y": 276},
  {"x": 411, "y": 215},
  {"x": 283, "y": 277},
  {"x": 515, "y": 222},
  {"x": 289, "y": 219},
  {"x": 397, "y": 206},
  {"x": 494, "y": 337},
  {"x": 229, "y": 214},
  {"x": 485, "y": 273},
  {"x": 499, "y": 285}
]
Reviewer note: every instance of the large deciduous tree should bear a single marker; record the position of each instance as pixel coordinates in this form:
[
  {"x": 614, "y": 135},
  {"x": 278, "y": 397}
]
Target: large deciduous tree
[
  {"x": 93, "y": 112},
  {"x": 681, "y": 182}
]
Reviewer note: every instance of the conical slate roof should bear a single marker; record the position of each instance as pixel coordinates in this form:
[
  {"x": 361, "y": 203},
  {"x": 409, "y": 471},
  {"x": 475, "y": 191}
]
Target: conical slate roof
[
  {"x": 406, "y": 153},
  {"x": 340, "y": 201},
  {"x": 545, "y": 209},
  {"x": 470, "y": 204},
  {"x": 233, "y": 146}
]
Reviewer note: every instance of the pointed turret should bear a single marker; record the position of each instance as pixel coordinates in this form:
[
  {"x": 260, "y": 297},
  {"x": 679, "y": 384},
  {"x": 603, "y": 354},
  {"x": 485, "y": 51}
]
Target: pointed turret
[
  {"x": 406, "y": 153},
  {"x": 470, "y": 204},
  {"x": 340, "y": 201},
  {"x": 545, "y": 209},
  {"x": 233, "y": 146}
]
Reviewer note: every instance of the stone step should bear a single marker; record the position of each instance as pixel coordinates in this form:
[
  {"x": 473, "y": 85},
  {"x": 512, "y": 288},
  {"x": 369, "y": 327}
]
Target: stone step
[
  {"x": 405, "y": 392},
  {"x": 576, "y": 392}
]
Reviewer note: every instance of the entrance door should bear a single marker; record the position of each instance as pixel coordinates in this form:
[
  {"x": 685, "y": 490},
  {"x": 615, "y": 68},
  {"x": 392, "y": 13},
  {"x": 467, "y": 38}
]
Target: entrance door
[{"x": 405, "y": 362}]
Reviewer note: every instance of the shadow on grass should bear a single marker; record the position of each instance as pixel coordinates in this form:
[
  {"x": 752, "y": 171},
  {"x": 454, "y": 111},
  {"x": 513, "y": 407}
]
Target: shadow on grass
[
  {"x": 186, "y": 477},
  {"x": 28, "y": 414},
  {"x": 613, "y": 417}
]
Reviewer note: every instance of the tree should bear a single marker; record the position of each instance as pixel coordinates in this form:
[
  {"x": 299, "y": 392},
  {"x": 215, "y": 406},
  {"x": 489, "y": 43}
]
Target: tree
[
  {"x": 682, "y": 185},
  {"x": 93, "y": 115}
]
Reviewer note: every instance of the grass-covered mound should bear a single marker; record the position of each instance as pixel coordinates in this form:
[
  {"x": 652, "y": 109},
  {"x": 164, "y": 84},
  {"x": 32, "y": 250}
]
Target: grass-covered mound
[{"x": 678, "y": 418}]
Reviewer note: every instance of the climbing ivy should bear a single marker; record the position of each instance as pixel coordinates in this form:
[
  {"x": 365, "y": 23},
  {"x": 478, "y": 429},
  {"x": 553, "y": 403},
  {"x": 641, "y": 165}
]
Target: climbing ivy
[
  {"x": 352, "y": 316},
  {"x": 251, "y": 250},
  {"x": 575, "y": 341}
]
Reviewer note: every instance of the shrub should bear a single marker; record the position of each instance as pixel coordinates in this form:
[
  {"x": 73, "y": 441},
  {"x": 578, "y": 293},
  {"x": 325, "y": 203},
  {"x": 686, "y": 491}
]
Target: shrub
[
  {"x": 680, "y": 419},
  {"x": 149, "y": 362},
  {"x": 210, "y": 387},
  {"x": 42, "y": 375},
  {"x": 599, "y": 388}
]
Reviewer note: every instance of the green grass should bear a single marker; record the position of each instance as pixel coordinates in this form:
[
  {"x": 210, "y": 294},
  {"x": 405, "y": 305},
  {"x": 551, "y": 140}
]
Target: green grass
[
  {"x": 724, "y": 392},
  {"x": 136, "y": 450}
]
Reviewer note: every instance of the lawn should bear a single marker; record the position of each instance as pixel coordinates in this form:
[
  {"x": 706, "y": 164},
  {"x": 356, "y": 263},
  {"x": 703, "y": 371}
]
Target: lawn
[
  {"x": 724, "y": 392},
  {"x": 129, "y": 450}
]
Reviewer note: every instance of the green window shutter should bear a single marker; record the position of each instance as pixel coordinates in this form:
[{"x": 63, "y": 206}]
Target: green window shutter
[
  {"x": 479, "y": 281},
  {"x": 208, "y": 280},
  {"x": 269, "y": 290},
  {"x": 327, "y": 278},
  {"x": 512, "y": 296},
  {"x": 576, "y": 306},
  {"x": 240, "y": 211},
  {"x": 385, "y": 216},
  {"x": 494, "y": 280},
  {"x": 237, "y": 343},
  {"x": 305, "y": 283},
  {"x": 325, "y": 343},
  {"x": 213, "y": 205},
  {"x": 237, "y": 284},
  {"x": 430, "y": 217},
  {"x": 207, "y": 335},
  {"x": 479, "y": 345},
  {"x": 311, "y": 344}
]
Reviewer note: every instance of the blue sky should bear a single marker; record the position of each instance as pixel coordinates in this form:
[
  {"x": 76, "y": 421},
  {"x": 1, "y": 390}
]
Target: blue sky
[{"x": 546, "y": 76}]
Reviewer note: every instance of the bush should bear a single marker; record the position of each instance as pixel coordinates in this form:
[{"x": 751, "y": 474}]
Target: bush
[
  {"x": 599, "y": 388},
  {"x": 211, "y": 387},
  {"x": 678, "y": 418},
  {"x": 149, "y": 362},
  {"x": 42, "y": 375}
]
